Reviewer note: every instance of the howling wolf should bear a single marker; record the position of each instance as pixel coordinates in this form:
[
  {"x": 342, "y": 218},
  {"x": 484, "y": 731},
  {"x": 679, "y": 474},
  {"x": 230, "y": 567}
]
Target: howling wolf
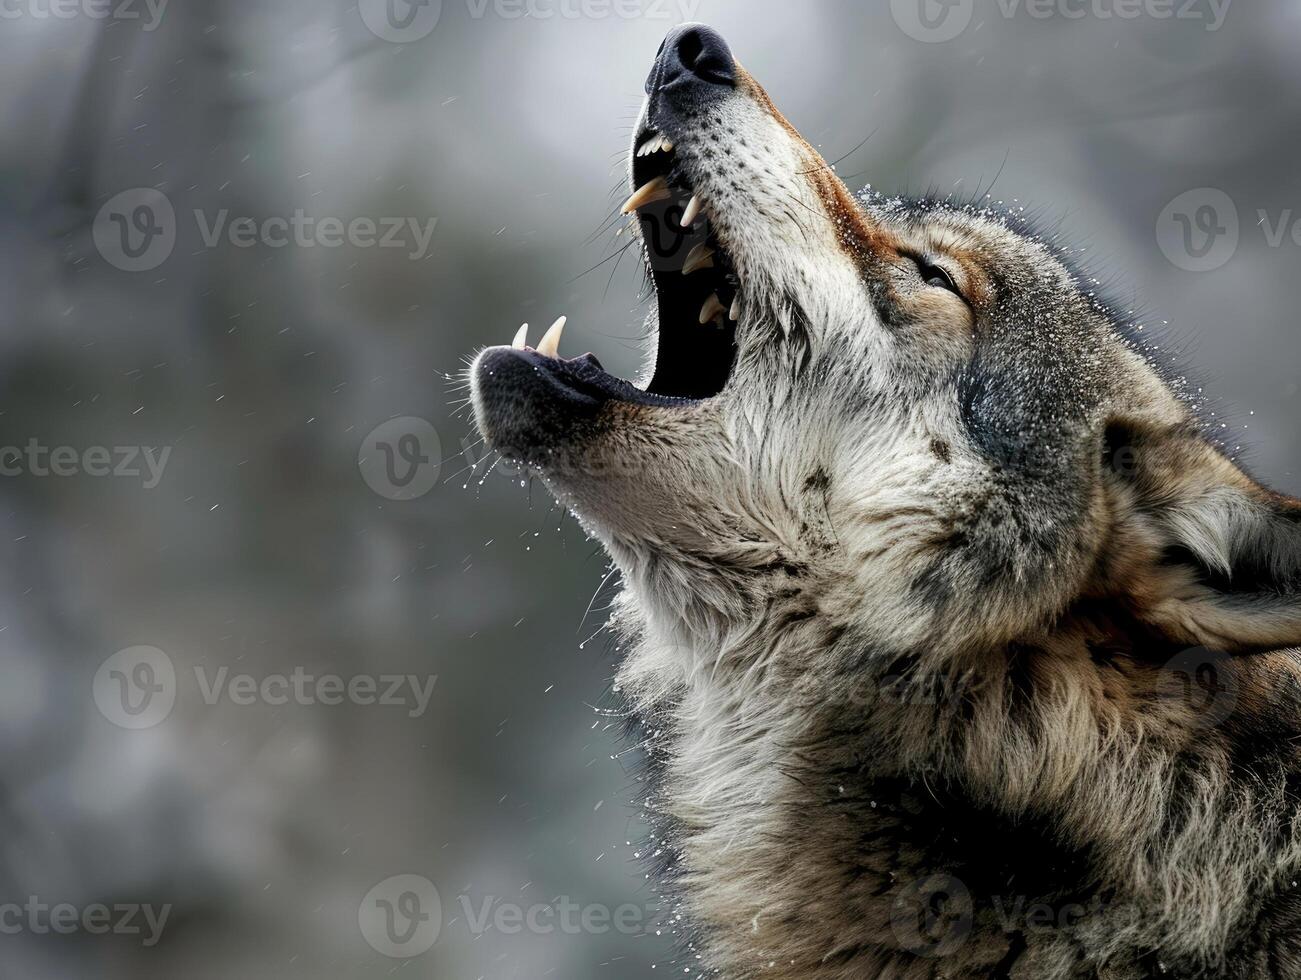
[{"x": 967, "y": 652}]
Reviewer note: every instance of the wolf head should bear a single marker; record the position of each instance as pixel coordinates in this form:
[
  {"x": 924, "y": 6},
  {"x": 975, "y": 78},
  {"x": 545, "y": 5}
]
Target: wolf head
[{"x": 911, "y": 422}]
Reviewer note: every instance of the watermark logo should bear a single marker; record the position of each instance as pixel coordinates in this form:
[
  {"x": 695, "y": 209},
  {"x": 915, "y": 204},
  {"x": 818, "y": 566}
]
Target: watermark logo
[
  {"x": 401, "y": 459},
  {"x": 1199, "y": 230},
  {"x": 136, "y": 230},
  {"x": 938, "y": 21},
  {"x": 407, "y": 21},
  {"x": 564, "y": 915},
  {"x": 932, "y": 917},
  {"x": 38, "y": 918},
  {"x": 305, "y": 231},
  {"x": 401, "y": 21},
  {"x": 143, "y": 463},
  {"x": 1204, "y": 682},
  {"x": 136, "y": 688},
  {"x": 932, "y": 21},
  {"x": 410, "y": 691},
  {"x": 401, "y": 917},
  {"x": 674, "y": 10},
  {"x": 148, "y": 13},
  {"x": 670, "y": 245},
  {"x": 1211, "y": 13},
  {"x": 915, "y": 689}
]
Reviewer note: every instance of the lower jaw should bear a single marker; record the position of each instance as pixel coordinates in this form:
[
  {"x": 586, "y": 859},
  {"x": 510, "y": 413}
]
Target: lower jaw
[{"x": 552, "y": 414}]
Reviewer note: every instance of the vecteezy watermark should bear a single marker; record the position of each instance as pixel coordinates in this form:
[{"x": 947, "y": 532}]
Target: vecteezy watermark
[
  {"x": 38, "y": 918},
  {"x": 1202, "y": 682},
  {"x": 400, "y": 21},
  {"x": 933, "y": 21},
  {"x": 402, "y": 917},
  {"x": 932, "y": 916},
  {"x": 916, "y": 689},
  {"x": 300, "y": 229},
  {"x": 489, "y": 913},
  {"x": 406, "y": 21},
  {"x": 410, "y": 691},
  {"x": 124, "y": 462},
  {"x": 137, "y": 688},
  {"x": 137, "y": 231},
  {"x": 1201, "y": 230},
  {"x": 937, "y": 21},
  {"x": 401, "y": 459},
  {"x": 147, "y": 13}
]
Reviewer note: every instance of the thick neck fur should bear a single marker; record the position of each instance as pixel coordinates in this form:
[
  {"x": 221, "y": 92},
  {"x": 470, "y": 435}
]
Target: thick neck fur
[{"x": 1044, "y": 811}]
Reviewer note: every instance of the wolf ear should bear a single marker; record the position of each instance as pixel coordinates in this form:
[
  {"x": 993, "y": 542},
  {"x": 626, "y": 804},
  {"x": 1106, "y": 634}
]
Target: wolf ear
[{"x": 1201, "y": 551}]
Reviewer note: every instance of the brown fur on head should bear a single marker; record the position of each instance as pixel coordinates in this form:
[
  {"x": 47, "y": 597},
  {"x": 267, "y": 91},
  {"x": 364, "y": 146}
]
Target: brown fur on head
[{"x": 922, "y": 457}]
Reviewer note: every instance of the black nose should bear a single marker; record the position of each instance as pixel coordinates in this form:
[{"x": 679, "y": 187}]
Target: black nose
[{"x": 692, "y": 54}]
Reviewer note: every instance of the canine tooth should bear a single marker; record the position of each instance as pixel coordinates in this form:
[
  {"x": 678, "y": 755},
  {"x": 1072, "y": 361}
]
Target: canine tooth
[
  {"x": 692, "y": 212},
  {"x": 700, "y": 257},
  {"x": 648, "y": 193},
  {"x": 549, "y": 345},
  {"x": 712, "y": 308},
  {"x": 735, "y": 313},
  {"x": 522, "y": 338}
]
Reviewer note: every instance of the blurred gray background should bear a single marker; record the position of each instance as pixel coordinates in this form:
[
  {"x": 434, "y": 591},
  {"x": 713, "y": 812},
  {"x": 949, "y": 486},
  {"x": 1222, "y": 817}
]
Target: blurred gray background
[{"x": 285, "y": 533}]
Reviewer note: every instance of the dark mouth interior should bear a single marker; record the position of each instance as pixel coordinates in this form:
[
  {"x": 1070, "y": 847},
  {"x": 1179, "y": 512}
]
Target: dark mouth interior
[{"x": 694, "y": 360}]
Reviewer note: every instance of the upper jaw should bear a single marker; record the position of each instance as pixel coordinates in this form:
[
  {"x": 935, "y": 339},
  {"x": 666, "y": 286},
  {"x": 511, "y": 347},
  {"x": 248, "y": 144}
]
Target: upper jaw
[{"x": 699, "y": 293}]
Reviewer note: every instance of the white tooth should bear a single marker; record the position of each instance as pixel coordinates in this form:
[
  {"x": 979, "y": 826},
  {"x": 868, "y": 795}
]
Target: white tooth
[
  {"x": 700, "y": 257},
  {"x": 712, "y": 308},
  {"x": 522, "y": 338},
  {"x": 648, "y": 193},
  {"x": 692, "y": 212},
  {"x": 735, "y": 314},
  {"x": 549, "y": 345},
  {"x": 653, "y": 144}
]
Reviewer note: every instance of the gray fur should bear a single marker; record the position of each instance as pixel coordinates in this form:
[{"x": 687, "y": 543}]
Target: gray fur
[{"x": 918, "y": 607}]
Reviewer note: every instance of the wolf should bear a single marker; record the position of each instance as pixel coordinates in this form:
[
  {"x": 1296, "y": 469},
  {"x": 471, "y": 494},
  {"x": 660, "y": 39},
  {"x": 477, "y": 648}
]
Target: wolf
[{"x": 961, "y": 645}]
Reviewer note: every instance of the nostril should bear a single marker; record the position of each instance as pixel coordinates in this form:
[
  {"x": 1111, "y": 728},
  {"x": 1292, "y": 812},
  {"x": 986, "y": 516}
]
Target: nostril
[
  {"x": 690, "y": 49},
  {"x": 701, "y": 51},
  {"x": 691, "y": 53}
]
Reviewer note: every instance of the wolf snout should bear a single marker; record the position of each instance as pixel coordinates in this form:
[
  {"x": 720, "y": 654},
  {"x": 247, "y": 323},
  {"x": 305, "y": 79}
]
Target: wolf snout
[{"x": 692, "y": 55}]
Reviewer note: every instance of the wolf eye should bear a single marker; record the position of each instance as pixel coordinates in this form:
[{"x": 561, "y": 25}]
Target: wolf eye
[{"x": 933, "y": 275}]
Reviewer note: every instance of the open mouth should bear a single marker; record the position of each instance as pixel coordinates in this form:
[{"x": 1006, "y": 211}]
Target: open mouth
[
  {"x": 696, "y": 284},
  {"x": 697, "y": 288}
]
